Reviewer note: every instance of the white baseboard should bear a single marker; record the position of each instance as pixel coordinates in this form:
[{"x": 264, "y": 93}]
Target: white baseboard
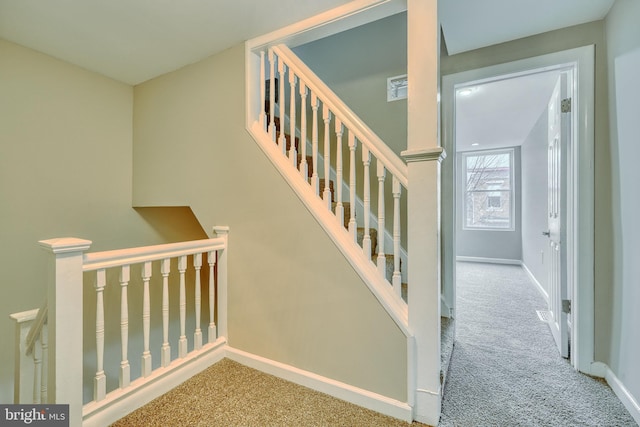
[
  {"x": 337, "y": 389},
  {"x": 544, "y": 293},
  {"x": 489, "y": 260},
  {"x": 143, "y": 390},
  {"x": 623, "y": 394}
]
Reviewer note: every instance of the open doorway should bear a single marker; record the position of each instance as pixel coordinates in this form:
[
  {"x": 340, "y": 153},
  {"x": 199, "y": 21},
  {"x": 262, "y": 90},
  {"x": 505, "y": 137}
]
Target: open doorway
[{"x": 503, "y": 214}]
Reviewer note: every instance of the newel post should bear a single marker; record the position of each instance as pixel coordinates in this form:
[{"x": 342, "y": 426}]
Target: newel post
[
  {"x": 222, "y": 232},
  {"x": 64, "y": 296},
  {"x": 423, "y": 156}
]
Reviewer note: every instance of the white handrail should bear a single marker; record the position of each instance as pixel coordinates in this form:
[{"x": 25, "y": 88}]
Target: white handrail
[
  {"x": 119, "y": 257},
  {"x": 365, "y": 135},
  {"x": 34, "y": 332}
]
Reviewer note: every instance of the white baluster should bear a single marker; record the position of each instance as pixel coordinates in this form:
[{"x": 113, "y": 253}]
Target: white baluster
[
  {"x": 315, "y": 181},
  {"x": 165, "y": 354},
  {"x": 100, "y": 381},
  {"x": 293, "y": 152},
  {"x": 382, "y": 260},
  {"x": 37, "y": 372},
  {"x": 326, "y": 117},
  {"x": 366, "y": 161},
  {"x": 272, "y": 95},
  {"x": 44, "y": 341},
  {"x": 281, "y": 106},
  {"x": 211, "y": 259},
  {"x": 146, "y": 319},
  {"x": 304, "y": 168},
  {"x": 197, "y": 336},
  {"x": 263, "y": 89},
  {"x": 125, "y": 369},
  {"x": 353, "y": 227},
  {"x": 339, "y": 206},
  {"x": 397, "y": 277},
  {"x": 182, "y": 342}
]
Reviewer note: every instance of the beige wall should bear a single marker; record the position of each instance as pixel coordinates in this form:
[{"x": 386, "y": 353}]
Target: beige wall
[
  {"x": 568, "y": 38},
  {"x": 65, "y": 170},
  {"x": 623, "y": 51},
  {"x": 293, "y": 297}
]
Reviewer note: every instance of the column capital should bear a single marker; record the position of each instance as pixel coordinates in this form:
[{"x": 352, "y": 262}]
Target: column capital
[{"x": 424, "y": 155}]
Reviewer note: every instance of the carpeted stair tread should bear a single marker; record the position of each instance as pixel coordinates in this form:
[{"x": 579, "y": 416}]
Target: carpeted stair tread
[
  {"x": 346, "y": 206},
  {"x": 373, "y": 235},
  {"x": 322, "y": 184}
]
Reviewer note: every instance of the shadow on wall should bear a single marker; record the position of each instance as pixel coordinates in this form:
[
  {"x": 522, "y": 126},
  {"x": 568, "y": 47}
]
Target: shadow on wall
[{"x": 173, "y": 223}]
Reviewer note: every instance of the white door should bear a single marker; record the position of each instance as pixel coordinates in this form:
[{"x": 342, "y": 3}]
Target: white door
[{"x": 557, "y": 158}]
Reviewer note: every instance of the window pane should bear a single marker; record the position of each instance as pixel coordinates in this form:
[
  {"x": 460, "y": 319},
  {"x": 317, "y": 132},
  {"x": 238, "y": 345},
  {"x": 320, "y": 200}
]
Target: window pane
[{"x": 487, "y": 202}]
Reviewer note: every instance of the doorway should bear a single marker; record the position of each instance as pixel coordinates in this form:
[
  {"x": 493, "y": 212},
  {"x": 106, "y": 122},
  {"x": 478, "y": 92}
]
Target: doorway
[{"x": 503, "y": 210}]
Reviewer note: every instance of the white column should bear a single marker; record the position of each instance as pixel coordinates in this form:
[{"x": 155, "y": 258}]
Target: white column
[
  {"x": 100, "y": 380},
  {"x": 125, "y": 369},
  {"x": 326, "y": 117},
  {"x": 382, "y": 260},
  {"x": 197, "y": 335},
  {"x": 212, "y": 334},
  {"x": 293, "y": 153},
  {"x": 339, "y": 206},
  {"x": 281, "y": 140},
  {"x": 263, "y": 89},
  {"x": 272, "y": 95},
  {"x": 64, "y": 296},
  {"x": 146, "y": 319},
  {"x": 315, "y": 181},
  {"x": 366, "y": 200},
  {"x": 222, "y": 232},
  {"x": 182, "y": 341},
  {"x": 304, "y": 168},
  {"x": 353, "y": 227},
  {"x": 423, "y": 155},
  {"x": 165, "y": 352},
  {"x": 397, "y": 276}
]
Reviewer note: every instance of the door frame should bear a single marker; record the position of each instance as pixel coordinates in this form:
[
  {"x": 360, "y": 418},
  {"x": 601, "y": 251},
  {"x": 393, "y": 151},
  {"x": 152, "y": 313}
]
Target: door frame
[{"x": 580, "y": 187}]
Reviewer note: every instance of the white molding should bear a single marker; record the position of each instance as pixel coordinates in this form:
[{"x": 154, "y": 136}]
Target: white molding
[
  {"x": 119, "y": 403},
  {"x": 357, "y": 396},
  {"x": 489, "y": 260},
  {"x": 424, "y": 155},
  {"x": 541, "y": 289},
  {"x": 581, "y": 177}
]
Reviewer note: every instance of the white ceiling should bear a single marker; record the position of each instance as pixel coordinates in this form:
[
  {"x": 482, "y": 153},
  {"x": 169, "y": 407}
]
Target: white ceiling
[
  {"x": 501, "y": 113},
  {"x": 135, "y": 40},
  {"x": 472, "y": 24}
]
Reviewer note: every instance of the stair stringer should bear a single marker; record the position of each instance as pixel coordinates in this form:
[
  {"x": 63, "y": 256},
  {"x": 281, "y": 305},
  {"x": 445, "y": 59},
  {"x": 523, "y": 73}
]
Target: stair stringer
[{"x": 365, "y": 268}]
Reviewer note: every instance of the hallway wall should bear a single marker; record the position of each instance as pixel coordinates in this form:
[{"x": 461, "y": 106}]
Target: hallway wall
[
  {"x": 293, "y": 297},
  {"x": 65, "y": 171},
  {"x": 623, "y": 290}
]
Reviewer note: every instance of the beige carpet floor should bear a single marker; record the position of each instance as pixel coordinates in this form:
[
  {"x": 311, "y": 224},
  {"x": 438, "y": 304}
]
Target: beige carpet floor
[{"x": 230, "y": 394}]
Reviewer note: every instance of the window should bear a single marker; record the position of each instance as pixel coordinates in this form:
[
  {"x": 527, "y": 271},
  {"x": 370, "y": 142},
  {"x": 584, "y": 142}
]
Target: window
[{"x": 488, "y": 193}]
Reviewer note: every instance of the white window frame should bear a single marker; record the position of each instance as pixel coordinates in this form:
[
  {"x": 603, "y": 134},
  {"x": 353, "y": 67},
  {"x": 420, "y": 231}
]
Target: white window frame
[{"x": 512, "y": 196}]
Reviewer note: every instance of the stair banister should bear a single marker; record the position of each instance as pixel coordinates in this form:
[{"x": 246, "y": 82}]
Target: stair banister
[{"x": 362, "y": 132}]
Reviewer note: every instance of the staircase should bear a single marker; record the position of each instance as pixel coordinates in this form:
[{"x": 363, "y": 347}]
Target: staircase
[{"x": 345, "y": 207}]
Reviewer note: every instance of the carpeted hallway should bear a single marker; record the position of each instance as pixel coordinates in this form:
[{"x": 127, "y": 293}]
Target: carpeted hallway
[{"x": 505, "y": 368}]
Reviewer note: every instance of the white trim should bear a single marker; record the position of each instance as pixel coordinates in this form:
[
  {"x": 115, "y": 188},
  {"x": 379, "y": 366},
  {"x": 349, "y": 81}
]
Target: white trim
[
  {"x": 601, "y": 370},
  {"x": 119, "y": 403},
  {"x": 541, "y": 289},
  {"x": 357, "y": 396},
  {"x": 489, "y": 260},
  {"x": 581, "y": 177}
]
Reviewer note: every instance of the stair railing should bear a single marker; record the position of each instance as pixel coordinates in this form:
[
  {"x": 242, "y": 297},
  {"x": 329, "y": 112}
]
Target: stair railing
[
  {"x": 282, "y": 71},
  {"x": 57, "y": 378}
]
